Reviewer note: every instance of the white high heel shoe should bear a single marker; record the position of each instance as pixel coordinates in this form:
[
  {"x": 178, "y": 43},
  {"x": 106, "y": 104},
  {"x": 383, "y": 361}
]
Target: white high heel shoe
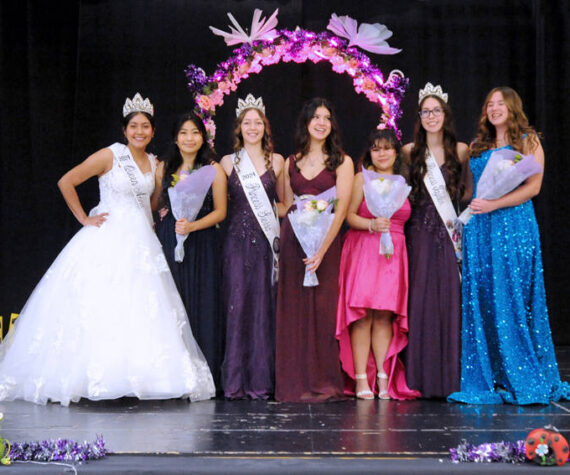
[
  {"x": 384, "y": 393},
  {"x": 366, "y": 394}
]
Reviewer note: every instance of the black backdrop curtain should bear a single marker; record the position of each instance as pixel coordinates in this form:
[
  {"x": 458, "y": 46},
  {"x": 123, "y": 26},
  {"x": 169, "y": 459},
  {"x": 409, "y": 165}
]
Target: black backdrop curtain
[{"x": 67, "y": 68}]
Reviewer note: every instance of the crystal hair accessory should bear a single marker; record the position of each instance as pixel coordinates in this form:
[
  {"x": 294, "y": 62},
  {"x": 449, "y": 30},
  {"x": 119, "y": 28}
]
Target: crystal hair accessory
[
  {"x": 137, "y": 104},
  {"x": 249, "y": 103},
  {"x": 431, "y": 90}
]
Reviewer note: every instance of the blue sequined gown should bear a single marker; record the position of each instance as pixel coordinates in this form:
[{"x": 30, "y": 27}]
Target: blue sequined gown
[{"x": 507, "y": 350}]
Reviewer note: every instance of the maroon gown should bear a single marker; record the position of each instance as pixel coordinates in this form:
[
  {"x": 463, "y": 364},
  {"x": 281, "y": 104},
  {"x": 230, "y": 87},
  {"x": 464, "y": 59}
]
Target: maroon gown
[{"x": 307, "y": 366}]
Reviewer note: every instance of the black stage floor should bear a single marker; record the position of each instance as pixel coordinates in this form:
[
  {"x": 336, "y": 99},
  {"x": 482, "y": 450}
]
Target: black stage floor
[{"x": 221, "y": 436}]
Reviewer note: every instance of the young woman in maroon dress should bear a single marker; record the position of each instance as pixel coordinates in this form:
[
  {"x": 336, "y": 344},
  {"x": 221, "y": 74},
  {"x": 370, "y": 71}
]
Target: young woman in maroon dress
[
  {"x": 372, "y": 317},
  {"x": 307, "y": 364}
]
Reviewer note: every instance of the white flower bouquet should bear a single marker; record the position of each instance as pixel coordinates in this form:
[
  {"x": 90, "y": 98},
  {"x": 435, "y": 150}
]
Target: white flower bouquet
[
  {"x": 505, "y": 170},
  {"x": 384, "y": 195},
  {"x": 186, "y": 198},
  {"x": 311, "y": 222}
]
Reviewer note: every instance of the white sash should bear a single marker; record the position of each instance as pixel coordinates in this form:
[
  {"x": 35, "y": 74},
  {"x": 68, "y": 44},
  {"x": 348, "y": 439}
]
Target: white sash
[
  {"x": 127, "y": 163},
  {"x": 262, "y": 208},
  {"x": 435, "y": 185}
]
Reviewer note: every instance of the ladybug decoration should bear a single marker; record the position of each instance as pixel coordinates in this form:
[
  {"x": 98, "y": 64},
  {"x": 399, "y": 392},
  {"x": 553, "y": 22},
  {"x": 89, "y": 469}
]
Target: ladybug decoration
[{"x": 546, "y": 446}]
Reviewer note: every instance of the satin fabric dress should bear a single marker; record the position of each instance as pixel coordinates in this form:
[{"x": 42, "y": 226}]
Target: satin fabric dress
[
  {"x": 307, "y": 362},
  {"x": 368, "y": 280}
]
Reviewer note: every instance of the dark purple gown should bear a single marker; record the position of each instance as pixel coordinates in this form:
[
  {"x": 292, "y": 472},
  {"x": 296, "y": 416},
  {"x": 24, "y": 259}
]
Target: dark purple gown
[
  {"x": 434, "y": 310},
  {"x": 198, "y": 279},
  {"x": 307, "y": 364},
  {"x": 249, "y": 298}
]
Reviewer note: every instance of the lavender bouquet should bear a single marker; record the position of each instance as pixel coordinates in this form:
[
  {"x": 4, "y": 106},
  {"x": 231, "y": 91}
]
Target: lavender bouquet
[
  {"x": 505, "y": 170},
  {"x": 384, "y": 195},
  {"x": 311, "y": 222},
  {"x": 186, "y": 198}
]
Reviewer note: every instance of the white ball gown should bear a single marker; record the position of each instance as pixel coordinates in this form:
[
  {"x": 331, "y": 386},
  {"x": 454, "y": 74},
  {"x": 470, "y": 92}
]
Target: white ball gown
[{"x": 106, "y": 320}]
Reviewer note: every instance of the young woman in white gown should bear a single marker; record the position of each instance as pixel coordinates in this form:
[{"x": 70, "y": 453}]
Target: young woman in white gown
[{"x": 106, "y": 320}]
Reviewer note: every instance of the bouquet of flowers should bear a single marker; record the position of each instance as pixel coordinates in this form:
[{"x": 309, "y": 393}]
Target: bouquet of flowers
[
  {"x": 187, "y": 195},
  {"x": 505, "y": 170},
  {"x": 311, "y": 222},
  {"x": 384, "y": 195}
]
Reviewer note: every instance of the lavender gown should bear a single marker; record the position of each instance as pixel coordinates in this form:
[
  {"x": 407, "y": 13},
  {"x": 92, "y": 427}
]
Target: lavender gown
[{"x": 248, "y": 369}]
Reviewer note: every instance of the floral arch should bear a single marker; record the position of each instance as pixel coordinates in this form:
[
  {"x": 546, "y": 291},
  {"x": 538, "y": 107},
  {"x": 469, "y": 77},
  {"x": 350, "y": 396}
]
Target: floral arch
[{"x": 265, "y": 46}]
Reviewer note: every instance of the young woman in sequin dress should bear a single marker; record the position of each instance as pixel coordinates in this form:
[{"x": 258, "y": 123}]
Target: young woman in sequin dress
[
  {"x": 307, "y": 362},
  {"x": 248, "y": 370},
  {"x": 372, "y": 316},
  {"x": 198, "y": 276},
  {"x": 507, "y": 349},
  {"x": 434, "y": 311}
]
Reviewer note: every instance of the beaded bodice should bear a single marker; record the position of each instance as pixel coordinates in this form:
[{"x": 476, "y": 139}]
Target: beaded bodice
[
  {"x": 116, "y": 191},
  {"x": 242, "y": 221}
]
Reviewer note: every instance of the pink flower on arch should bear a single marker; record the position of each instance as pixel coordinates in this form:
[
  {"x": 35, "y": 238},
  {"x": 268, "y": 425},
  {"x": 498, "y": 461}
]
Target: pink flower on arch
[
  {"x": 204, "y": 102},
  {"x": 217, "y": 97}
]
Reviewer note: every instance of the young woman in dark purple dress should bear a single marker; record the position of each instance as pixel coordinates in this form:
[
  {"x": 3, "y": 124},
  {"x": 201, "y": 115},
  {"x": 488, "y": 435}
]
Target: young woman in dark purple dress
[
  {"x": 198, "y": 276},
  {"x": 249, "y": 285},
  {"x": 434, "y": 309}
]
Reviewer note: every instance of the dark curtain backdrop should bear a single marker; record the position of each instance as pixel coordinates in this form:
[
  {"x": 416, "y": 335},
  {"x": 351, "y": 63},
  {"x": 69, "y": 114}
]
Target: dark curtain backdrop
[{"x": 67, "y": 68}]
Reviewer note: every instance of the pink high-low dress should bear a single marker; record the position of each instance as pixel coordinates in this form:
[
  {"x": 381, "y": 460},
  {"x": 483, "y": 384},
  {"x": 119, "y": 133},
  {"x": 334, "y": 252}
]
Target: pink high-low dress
[{"x": 370, "y": 280}]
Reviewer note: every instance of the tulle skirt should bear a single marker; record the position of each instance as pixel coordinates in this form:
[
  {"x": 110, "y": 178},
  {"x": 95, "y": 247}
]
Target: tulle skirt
[{"x": 105, "y": 321}]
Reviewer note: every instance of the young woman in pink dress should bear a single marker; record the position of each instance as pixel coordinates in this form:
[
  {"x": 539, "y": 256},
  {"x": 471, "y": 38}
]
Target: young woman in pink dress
[{"x": 372, "y": 316}]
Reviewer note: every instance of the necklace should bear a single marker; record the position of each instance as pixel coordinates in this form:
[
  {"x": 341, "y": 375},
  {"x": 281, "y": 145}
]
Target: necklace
[{"x": 312, "y": 162}]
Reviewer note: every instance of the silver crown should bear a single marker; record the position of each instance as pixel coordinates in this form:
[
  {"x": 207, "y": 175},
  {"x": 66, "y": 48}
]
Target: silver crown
[
  {"x": 249, "y": 103},
  {"x": 431, "y": 90},
  {"x": 137, "y": 104}
]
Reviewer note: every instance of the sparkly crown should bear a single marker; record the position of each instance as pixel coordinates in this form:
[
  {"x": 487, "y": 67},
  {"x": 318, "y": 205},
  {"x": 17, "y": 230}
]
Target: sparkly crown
[
  {"x": 250, "y": 102},
  {"x": 137, "y": 105},
  {"x": 431, "y": 90}
]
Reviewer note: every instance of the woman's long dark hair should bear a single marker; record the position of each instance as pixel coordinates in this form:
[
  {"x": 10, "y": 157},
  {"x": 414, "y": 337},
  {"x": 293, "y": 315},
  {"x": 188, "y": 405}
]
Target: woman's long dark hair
[
  {"x": 173, "y": 159},
  {"x": 385, "y": 135},
  {"x": 452, "y": 164},
  {"x": 333, "y": 144},
  {"x": 517, "y": 125}
]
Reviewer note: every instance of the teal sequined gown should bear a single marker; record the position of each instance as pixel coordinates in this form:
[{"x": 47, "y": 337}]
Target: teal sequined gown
[{"x": 507, "y": 350}]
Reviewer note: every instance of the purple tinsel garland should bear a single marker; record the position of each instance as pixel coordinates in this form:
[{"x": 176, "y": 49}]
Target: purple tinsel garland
[
  {"x": 502, "y": 452},
  {"x": 59, "y": 450}
]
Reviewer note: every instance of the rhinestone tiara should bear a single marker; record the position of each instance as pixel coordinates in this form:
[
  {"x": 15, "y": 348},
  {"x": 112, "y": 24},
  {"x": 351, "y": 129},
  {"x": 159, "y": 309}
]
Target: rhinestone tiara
[
  {"x": 250, "y": 102},
  {"x": 137, "y": 104},
  {"x": 431, "y": 90}
]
